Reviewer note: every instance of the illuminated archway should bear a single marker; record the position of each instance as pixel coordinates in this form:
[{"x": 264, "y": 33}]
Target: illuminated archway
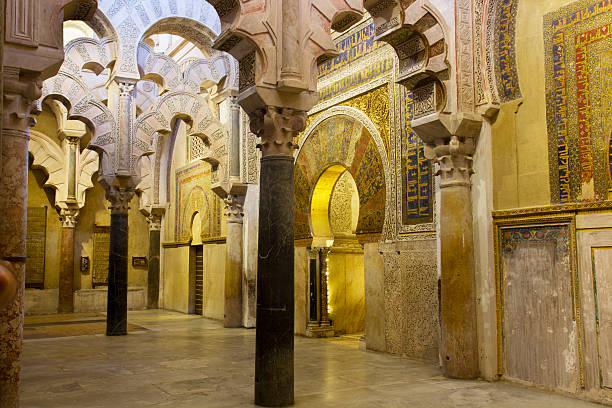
[{"x": 350, "y": 141}]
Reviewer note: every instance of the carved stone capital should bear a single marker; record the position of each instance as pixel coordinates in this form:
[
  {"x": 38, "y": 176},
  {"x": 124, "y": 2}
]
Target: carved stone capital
[
  {"x": 234, "y": 208},
  {"x": 126, "y": 88},
  {"x": 18, "y": 101},
  {"x": 154, "y": 221},
  {"x": 72, "y": 140},
  {"x": 68, "y": 217},
  {"x": 277, "y": 127},
  {"x": 454, "y": 159},
  {"x": 119, "y": 198},
  {"x": 119, "y": 191}
]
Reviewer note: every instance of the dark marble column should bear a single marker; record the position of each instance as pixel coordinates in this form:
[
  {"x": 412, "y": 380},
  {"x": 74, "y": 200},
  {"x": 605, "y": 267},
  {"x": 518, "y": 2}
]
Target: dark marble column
[
  {"x": 116, "y": 315},
  {"x": 154, "y": 221},
  {"x": 66, "y": 278},
  {"x": 275, "y": 274},
  {"x": 17, "y": 102}
]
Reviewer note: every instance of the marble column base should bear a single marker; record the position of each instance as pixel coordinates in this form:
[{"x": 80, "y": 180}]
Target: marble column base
[{"x": 318, "y": 330}]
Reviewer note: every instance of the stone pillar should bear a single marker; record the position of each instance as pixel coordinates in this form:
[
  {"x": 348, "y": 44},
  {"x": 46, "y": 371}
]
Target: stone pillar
[
  {"x": 116, "y": 316},
  {"x": 68, "y": 217},
  {"x": 233, "y": 263},
  {"x": 17, "y": 105},
  {"x": 275, "y": 275},
  {"x": 459, "y": 340},
  {"x": 8, "y": 284},
  {"x": 154, "y": 220}
]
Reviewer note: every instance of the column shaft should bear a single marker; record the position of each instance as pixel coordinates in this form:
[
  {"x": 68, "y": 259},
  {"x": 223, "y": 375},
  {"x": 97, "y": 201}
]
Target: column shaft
[
  {"x": 233, "y": 275},
  {"x": 13, "y": 205},
  {"x": 66, "y": 280},
  {"x": 116, "y": 317},
  {"x": 459, "y": 345},
  {"x": 275, "y": 308},
  {"x": 323, "y": 283},
  {"x": 153, "y": 272}
]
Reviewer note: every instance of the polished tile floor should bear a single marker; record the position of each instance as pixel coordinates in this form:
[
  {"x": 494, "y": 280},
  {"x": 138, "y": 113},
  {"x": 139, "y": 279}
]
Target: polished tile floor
[{"x": 187, "y": 361}]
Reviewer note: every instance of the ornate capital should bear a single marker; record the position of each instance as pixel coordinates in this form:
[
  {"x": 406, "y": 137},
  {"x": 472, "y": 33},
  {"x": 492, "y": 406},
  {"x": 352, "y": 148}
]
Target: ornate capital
[
  {"x": 73, "y": 140},
  {"x": 154, "y": 221},
  {"x": 119, "y": 191},
  {"x": 126, "y": 88},
  {"x": 234, "y": 208},
  {"x": 18, "y": 101},
  {"x": 277, "y": 127},
  {"x": 119, "y": 198},
  {"x": 68, "y": 217},
  {"x": 454, "y": 159}
]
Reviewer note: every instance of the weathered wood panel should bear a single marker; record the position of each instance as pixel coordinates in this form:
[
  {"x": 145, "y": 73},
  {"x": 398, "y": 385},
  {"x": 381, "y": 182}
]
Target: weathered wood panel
[
  {"x": 35, "y": 246},
  {"x": 595, "y": 267},
  {"x": 602, "y": 276},
  {"x": 540, "y": 337}
]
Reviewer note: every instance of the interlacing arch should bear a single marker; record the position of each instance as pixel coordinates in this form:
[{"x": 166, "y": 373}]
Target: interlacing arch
[{"x": 133, "y": 21}]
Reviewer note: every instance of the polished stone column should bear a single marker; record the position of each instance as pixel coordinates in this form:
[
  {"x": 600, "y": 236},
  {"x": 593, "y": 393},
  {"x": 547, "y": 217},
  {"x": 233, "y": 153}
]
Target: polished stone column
[
  {"x": 116, "y": 316},
  {"x": 17, "y": 105},
  {"x": 459, "y": 340},
  {"x": 68, "y": 217},
  {"x": 8, "y": 284},
  {"x": 275, "y": 270},
  {"x": 323, "y": 282},
  {"x": 154, "y": 220},
  {"x": 233, "y": 263}
]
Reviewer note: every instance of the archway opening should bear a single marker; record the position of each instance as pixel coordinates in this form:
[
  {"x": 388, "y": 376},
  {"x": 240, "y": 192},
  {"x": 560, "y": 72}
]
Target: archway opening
[{"x": 339, "y": 294}]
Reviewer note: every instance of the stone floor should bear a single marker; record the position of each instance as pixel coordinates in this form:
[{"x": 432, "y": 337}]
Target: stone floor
[{"x": 187, "y": 361}]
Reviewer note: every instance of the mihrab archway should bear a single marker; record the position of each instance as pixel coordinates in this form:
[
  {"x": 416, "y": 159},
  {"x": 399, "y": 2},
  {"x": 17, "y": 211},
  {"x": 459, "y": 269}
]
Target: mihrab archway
[{"x": 345, "y": 136}]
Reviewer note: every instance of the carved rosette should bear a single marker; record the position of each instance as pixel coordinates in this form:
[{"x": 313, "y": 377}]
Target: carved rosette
[
  {"x": 68, "y": 217},
  {"x": 277, "y": 128},
  {"x": 454, "y": 159},
  {"x": 234, "y": 208}
]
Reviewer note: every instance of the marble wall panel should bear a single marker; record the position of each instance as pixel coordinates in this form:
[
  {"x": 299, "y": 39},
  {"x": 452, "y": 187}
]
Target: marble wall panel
[
  {"x": 301, "y": 260},
  {"x": 346, "y": 292},
  {"x": 213, "y": 303},
  {"x": 411, "y": 299},
  {"x": 374, "y": 270},
  {"x": 176, "y": 279}
]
